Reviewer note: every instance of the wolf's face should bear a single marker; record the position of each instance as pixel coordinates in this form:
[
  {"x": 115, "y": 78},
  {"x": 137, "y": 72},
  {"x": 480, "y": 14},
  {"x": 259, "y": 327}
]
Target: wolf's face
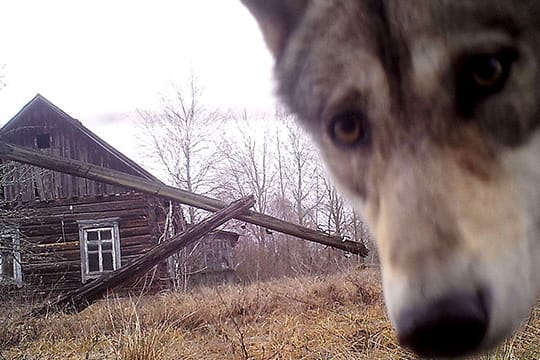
[{"x": 426, "y": 112}]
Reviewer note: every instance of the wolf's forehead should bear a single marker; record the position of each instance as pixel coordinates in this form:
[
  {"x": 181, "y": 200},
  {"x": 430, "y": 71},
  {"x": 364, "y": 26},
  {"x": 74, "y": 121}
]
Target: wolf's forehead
[{"x": 367, "y": 36}]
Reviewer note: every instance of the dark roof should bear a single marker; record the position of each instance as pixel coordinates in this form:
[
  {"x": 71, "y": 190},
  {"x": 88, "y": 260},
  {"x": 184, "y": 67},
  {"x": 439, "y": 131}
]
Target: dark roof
[
  {"x": 83, "y": 129},
  {"x": 224, "y": 234}
]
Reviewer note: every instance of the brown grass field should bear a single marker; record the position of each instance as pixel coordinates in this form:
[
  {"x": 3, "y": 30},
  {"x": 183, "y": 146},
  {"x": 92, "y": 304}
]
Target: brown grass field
[{"x": 338, "y": 316}]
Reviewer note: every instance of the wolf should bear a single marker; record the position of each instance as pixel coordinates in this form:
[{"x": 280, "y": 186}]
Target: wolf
[{"x": 426, "y": 113}]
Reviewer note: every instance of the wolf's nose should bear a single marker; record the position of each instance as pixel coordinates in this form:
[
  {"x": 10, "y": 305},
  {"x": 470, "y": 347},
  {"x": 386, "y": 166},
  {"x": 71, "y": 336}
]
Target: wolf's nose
[{"x": 451, "y": 326}]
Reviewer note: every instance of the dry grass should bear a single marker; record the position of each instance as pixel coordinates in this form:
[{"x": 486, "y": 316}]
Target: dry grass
[{"x": 335, "y": 317}]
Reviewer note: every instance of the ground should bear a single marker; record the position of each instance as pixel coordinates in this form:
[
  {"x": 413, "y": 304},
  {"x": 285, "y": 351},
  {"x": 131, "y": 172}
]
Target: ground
[{"x": 339, "y": 316}]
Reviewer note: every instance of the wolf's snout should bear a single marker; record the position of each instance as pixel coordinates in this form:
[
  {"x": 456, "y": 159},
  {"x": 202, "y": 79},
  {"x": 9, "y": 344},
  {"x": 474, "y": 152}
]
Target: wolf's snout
[{"x": 451, "y": 326}]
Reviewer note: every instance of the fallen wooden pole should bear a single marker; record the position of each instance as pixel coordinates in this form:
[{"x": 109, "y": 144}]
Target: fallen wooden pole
[
  {"x": 109, "y": 176},
  {"x": 80, "y": 298}
]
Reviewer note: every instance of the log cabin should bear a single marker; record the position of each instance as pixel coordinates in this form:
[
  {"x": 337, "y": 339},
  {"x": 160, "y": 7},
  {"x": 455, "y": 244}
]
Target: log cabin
[{"x": 59, "y": 231}]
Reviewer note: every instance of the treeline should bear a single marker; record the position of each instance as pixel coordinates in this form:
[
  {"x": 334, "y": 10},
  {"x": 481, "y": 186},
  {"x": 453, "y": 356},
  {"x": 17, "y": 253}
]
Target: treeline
[{"x": 229, "y": 155}]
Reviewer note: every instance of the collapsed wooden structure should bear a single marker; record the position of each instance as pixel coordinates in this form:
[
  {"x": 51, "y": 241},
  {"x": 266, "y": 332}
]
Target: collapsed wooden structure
[
  {"x": 77, "y": 168},
  {"x": 68, "y": 230},
  {"x": 124, "y": 191}
]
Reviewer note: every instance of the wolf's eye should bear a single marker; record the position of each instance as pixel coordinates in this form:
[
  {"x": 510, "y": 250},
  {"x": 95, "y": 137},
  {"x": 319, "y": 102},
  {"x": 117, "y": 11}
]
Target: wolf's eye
[
  {"x": 349, "y": 128},
  {"x": 482, "y": 75},
  {"x": 488, "y": 71}
]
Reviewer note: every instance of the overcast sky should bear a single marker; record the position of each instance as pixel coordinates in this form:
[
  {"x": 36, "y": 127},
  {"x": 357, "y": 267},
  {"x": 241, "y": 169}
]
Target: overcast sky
[{"x": 100, "y": 60}]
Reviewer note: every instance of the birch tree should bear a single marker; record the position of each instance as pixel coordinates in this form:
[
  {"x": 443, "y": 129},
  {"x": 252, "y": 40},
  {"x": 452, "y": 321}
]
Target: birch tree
[
  {"x": 181, "y": 137},
  {"x": 247, "y": 167}
]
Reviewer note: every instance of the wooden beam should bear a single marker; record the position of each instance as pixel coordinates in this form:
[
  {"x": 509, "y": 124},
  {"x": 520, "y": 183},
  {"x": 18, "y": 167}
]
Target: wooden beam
[
  {"x": 109, "y": 176},
  {"x": 80, "y": 298}
]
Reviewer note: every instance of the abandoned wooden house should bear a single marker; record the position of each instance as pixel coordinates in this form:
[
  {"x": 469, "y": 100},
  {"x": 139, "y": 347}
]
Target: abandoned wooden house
[{"x": 59, "y": 231}]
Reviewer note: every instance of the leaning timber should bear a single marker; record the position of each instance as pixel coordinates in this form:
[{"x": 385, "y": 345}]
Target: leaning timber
[
  {"x": 93, "y": 172},
  {"x": 80, "y": 298}
]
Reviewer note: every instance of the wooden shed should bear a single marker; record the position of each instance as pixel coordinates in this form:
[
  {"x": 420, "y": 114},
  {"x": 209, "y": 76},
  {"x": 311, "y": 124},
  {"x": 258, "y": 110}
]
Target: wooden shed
[
  {"x": 62, "y": 231},
  {"x": 208, "y": 262}
]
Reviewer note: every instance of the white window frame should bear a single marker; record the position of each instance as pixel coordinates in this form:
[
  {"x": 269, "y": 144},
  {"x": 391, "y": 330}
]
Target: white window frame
[
  {"x": 86, "y": 226},
  {"x": 13, "y": 234}
]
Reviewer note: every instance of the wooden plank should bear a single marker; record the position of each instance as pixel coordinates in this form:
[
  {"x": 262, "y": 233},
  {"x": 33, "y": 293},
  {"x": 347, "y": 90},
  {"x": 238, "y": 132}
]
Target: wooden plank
[
  {"x": 89, "y": 171},
  {"x": 88, "y": 293},
  {"x": 51, "y": 239},
  {"x": 71, "y": 250},
  {"x": 58, "y": 246},
  {"x": 135, "y": 240},
  {"x": 133, "y": 213},
  {"x": 105, "y": 204},
  {"x": 33, "y": 268},
  {"x": 56, "y": 231}
]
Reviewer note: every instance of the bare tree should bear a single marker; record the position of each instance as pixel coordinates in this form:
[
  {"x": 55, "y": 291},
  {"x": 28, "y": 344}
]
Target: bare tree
[
  {"x": 276, "y": 165},
  {"x": 280, "y": 167},
  {"x": 180, "y": 141},
  {"x": 301, "y": 166},
  {"x": 181, "y": 137},
  {"x": 298, "y": 197},
  {"x": 247, "y": 167},
  {"x": 335, "y": 211},
  {"x": 360, "y": 232}
]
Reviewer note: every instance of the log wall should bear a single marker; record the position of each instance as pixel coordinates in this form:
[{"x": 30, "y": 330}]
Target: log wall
[{"x": 51, "y": 260}]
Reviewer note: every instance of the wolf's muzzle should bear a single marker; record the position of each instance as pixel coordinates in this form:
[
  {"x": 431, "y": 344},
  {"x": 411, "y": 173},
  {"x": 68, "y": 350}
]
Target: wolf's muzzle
[{"x": 450, "y": 326}]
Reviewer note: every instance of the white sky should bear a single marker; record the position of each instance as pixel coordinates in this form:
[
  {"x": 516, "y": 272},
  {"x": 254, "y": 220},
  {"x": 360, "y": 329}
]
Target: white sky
[{"x": 100, "y": 60}]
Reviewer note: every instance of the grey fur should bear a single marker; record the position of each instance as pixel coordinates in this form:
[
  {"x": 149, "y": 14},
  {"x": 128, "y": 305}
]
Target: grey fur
[{"x": 449, "y": 180}]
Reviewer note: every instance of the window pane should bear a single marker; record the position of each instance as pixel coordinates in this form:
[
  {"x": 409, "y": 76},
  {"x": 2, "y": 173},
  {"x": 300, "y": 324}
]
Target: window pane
[
  {"x": 106, "y": 234},
  {"x": 107, "y": 261},
  {"x": 107, "y": 245},
  {"x": 93, "y": 262},
  {"x": 92, "y": 247},
  {"x": 91, "y": 235}
]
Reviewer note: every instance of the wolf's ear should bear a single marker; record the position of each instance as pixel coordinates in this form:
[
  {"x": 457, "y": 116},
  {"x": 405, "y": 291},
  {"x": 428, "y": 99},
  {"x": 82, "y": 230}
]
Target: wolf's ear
[{"x": 277, "y": 19}]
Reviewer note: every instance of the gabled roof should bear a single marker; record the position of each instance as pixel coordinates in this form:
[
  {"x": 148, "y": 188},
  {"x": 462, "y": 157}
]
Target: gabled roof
[{"x": 39, "y": 99}]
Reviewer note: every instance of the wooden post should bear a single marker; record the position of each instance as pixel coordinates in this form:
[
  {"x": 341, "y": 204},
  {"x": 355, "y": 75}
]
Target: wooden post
[
  {"x": 109, "y": 176},
  {"x": 80, "y": 298}
]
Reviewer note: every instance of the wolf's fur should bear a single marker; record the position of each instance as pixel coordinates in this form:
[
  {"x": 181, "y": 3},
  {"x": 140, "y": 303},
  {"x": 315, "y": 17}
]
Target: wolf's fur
[{"x": 450, "y": 187}]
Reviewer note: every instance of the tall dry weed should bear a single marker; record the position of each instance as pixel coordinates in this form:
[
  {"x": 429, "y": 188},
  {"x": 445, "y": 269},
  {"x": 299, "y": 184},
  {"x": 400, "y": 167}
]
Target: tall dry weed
[{"x": 338, "y": 316}]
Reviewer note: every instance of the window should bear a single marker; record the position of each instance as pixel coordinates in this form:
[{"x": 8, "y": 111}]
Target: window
[
  {"x": 10, "y": 257},
  {"x": 100, "y": 247},
  {"x": 43, "y": 141}
]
